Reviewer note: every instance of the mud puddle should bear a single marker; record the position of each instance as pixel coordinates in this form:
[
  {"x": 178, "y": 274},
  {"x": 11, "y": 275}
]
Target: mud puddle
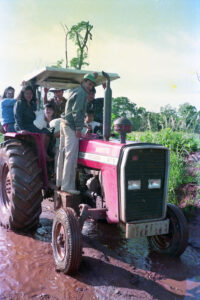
[
  {"x": 112, "y": 267},
  {"x": 27, "y": 269}
]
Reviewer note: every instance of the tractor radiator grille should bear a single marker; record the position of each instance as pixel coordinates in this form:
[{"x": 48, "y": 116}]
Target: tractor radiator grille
[{"x": 145, "y": 203}]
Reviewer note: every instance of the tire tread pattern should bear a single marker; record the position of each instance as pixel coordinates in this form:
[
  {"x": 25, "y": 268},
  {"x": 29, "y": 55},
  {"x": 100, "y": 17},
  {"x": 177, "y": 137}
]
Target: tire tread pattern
[{"x": 26, "y": 178}]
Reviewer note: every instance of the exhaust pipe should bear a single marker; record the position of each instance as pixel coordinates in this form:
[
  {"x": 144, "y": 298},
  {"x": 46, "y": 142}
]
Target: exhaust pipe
[{"x": 107, "y": 108}]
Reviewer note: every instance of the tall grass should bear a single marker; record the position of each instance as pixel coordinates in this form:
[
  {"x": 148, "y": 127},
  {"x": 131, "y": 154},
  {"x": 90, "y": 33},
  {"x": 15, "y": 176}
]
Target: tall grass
[{"x": 180, "y": 144}]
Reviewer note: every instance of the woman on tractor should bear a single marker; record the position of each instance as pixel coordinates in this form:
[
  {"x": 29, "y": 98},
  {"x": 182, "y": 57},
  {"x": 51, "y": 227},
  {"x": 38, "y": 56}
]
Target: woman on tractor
[
  {"x": 24, "y": 113},
  {"x": 6, "y": 108},
  {"x": 24, "y": 110}
]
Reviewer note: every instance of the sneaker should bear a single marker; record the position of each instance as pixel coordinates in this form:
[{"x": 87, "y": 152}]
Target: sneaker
[{"x": 73, "y": 192}]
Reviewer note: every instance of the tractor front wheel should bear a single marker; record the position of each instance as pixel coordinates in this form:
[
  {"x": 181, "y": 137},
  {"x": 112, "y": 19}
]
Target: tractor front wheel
[
  {"x": 66, "y": 241},
  {"x": 175, "y": 242}
]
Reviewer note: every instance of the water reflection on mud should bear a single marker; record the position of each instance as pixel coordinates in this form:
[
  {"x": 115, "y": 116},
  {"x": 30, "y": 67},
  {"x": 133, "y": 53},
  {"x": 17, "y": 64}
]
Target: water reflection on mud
[
  {"x": 113, "y": 238},
  {"x": 112, "y": 267},
  {"x": 27, "y": 269},
  {"x": 180, "y": 276}
]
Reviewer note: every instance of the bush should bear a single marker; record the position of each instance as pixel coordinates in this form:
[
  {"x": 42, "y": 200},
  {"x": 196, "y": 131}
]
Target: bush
[
  {"x": 180, "y": 145},
  {"x": 176, "y": 141}
]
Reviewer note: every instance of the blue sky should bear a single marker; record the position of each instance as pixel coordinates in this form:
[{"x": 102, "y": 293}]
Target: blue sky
[{"x": 154, "y": 45}]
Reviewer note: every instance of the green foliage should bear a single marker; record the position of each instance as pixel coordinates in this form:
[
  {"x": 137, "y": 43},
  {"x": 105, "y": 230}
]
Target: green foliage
[
  {"x": 180, "y": 145},
  {"x": 123, "y": 107},
  {"x": 189, "y": 116},
  {"x": 80, "y": 34},
  {"x": 153, "y": 121},
  {"x": 76, "y": 62},
  {"x": 179, "y": 142},
  {"x": 168, "y": 117},
  {"x": 186, "y": 119},
  {"x": 176, "y": 175},
  {"x": 59, "y": 64}
]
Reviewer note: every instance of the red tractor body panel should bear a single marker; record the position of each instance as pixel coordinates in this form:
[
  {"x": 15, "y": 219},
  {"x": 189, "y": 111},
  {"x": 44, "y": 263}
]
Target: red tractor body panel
[{"x": 103, "y": 155}]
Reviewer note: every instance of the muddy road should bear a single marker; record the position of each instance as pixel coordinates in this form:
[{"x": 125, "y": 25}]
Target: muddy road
[{"x": 112, "y": 267}]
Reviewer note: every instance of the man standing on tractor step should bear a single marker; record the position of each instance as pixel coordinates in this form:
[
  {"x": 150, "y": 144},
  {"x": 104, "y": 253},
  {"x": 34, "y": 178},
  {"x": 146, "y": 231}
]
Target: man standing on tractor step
[{"x": 70, "y": 131}]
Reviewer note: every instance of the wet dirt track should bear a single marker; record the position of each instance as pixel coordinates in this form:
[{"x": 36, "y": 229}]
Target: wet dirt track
[{"x": 112, "y": 267}]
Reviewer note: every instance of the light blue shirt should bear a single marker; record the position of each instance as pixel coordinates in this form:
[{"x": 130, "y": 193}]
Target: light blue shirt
[{"x": 6, "y": 111}]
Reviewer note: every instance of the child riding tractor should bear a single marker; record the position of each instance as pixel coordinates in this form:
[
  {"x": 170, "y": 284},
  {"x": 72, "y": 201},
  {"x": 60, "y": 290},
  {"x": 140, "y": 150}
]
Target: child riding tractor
[{"x": 123, "y": 182}]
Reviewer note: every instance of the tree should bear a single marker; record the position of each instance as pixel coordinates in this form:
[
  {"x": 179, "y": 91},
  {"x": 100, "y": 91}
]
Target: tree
[
  {"x": 189, "y": 116},
  {"x": 168, "y": 117},
  {"x": 153, "y": 121},
  {"x": 80, "y": 34},
  {"x": 122, "y": 107},
  {"x": 139, "y": 119}
]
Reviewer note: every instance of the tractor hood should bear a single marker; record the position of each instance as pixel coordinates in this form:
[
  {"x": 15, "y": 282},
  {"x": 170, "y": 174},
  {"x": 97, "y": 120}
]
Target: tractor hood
[{"x": 51, "y": 77}]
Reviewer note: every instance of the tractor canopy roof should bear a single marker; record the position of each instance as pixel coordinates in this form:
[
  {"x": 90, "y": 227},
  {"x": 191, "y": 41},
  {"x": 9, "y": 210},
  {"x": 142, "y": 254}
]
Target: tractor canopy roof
[{"x": 51, "y": 77}]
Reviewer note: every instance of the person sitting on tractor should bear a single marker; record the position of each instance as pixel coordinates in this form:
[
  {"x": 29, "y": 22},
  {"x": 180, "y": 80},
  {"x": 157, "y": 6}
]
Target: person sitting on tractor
[
  {"x": 96, "y": 104},
  {"x": 90, "y": 125},
  {"x": 24, "y": 113},
  {"x": 70, "y": 131},
  {"x": 58, "y": 101},
  {"x": 48, "y": 113},
  {"x": 6, "y": 107},
  {"x": 54, "y": 125}
]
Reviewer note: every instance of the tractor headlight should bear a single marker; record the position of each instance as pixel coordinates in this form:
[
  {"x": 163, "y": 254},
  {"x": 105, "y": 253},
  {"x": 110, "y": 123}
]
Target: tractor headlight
[
  {"x": 134, "y": 184},
  {"x": 154, "y": 183}
]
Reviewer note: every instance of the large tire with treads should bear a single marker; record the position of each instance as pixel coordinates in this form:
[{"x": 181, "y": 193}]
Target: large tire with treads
[{"x": 20, "y": 186}]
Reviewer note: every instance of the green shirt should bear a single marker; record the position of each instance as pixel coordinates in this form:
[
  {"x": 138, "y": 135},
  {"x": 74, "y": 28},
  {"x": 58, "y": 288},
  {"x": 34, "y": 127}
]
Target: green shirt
[{"x": 75, "y": 108}]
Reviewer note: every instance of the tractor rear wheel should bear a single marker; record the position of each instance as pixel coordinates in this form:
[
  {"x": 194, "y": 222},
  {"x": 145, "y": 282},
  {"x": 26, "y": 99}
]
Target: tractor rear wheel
[
  {"x": 20, "y": 186},
  {"x": 66, "y": 240},
  {"x": 175, "y": 242}
]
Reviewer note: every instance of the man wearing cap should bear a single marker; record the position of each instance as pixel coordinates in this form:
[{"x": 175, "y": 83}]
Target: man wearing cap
[
  {"x": 70, "y": 131},
  {"x": 58, "y": 101}
]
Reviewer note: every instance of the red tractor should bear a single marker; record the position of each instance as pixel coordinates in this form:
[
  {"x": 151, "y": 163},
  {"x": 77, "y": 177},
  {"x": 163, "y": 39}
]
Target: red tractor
[{"x": 120, "y": 181}]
